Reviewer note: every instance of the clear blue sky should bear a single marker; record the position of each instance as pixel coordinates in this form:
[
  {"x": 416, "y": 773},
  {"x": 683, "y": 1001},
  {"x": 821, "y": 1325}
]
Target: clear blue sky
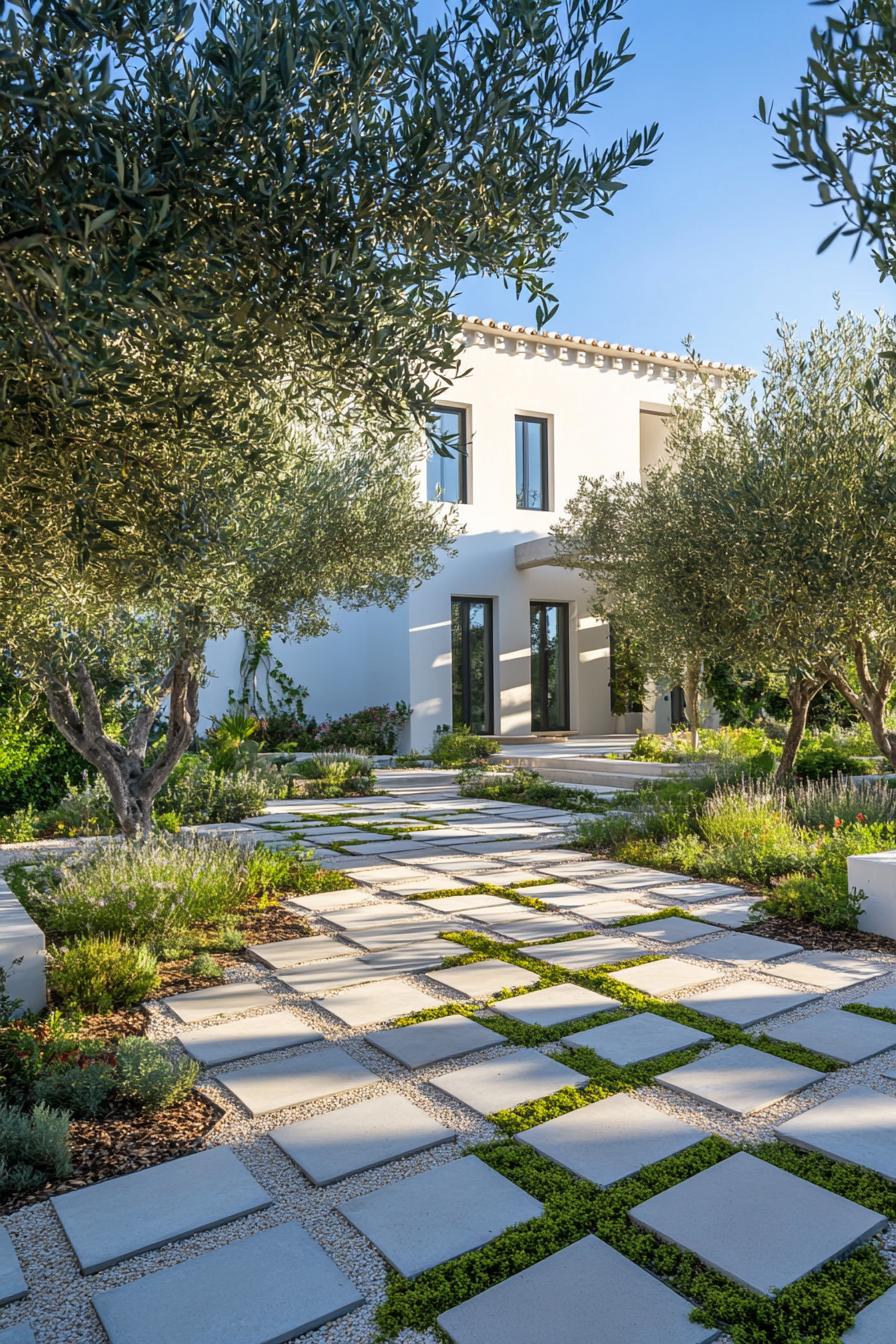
[{"x": 710, "y": 239}]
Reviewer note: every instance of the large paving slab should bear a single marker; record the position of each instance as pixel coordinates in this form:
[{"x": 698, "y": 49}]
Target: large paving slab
[
  {"x": 581, "y": 954},
  {"x": 115, "y": 1219},
  {"x": 514, "y": 1078},
  {"x": 730, "y": 914},
  {"x": 342, "y": 971},
  {"x": 848, "y": 1037},
  {"x": 424, "y": 1220},
  {"x": 378, "y": 1002},
  {"x": 563, "y": 895},
  {"x": 584, "y": 1294},
  {"x": 430, "y": 1042},
  {"x": 12, "y": 1280},
  {"x": 607, "y": 909},
  {"x": 880, "y": 998},
  {"x": 666, "y": 976},
  {"x": 297, "y": 951},
  {"x": 395, "y": 933},
  {"x": 633, "y": 1039},
  {"x": 271, "y": 1086},
  {"x": 466, "y": 904},
  {"x": 482, "y": 979},
  {"x": 858, "y": 1126},
  {"x": 555, "y": 1004},
  {"x": 875, "y": 1324},
  {"x": 319, "y": 902},
  {"x": 684, "y": 892},
  {"x": 520, "y": 923},
  {"x": 248, "y": 1036},
  {"x": 264, "y": 1289},
  {"x": 672, "y": 929},
  {"x": 340, "y": 1143},
  {"x": 377, "y": 912},
  {"x": 611, "y": 1139},
  {"x": 415, "y": 886},
  {"x": 635, "y": 879},
  {"x": 830, "y": 970},
  {"x": 218, "y": 1000},
  {"x": 761, "y": 1226},
  {"x": 744, "y": 1002},
  {"x": 17, "y": 1334},
  {"x": 740, "y": 1079},
  {"x": 579, "y": 867},
  {"x": 737, "y": 947}
]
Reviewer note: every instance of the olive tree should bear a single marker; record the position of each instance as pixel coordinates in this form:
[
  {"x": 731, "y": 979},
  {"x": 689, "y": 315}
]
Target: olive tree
[{"x": 229, "y": 248}]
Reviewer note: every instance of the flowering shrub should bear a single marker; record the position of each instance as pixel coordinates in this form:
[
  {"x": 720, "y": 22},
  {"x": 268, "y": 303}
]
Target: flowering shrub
[
  {"x": 374, "y": 730},
  {"x": 97, "y": 974},
  {"x": 822, "y": 895}
]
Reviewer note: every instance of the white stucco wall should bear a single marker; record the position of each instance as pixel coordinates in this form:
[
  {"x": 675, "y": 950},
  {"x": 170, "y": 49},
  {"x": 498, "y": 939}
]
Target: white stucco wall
[{"x": 593, "y": 400}]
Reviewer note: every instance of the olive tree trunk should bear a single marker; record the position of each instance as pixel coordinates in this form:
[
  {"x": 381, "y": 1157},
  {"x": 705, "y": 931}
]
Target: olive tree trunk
[
  {"x": 693, "y": 675},
  {"x": 75, "y": 709},
  {"x": 801, "y": 691},
  {"x": 873, "y": 696}
]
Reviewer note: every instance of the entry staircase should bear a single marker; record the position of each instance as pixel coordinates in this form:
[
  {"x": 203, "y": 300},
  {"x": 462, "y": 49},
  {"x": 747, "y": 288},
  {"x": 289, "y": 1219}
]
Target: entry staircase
[{"x": 585, "y": 765}]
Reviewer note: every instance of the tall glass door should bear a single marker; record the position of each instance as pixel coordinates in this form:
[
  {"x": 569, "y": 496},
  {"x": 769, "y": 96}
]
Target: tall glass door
[
  {"x": 549, "y": 627},
  {"x": 472, "y": 689}
]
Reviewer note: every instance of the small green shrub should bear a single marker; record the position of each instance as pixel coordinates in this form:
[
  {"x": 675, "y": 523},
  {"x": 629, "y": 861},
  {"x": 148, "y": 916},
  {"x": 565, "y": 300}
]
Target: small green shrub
[
  {"x": 822, "y": 895},
  {"x": 271, "y": 871},
  {"x": 455, "y": 748},
  {"x": 335, "y": 774},
  {"x": 86, "y": 810},
  {"x": 20, "y": 1062},
  {"x": 83, "y": 1090},
  {"x": 230, "y": 741},
  {"x": 147, "y": 1074},
  {"x": 145, "y": 892},
  {"x": 821, "y": 758},
  {"x": 19, "y": 827},
  {"x": 409, "y": 760},
  {"x": 100, "y": 972},
  {"x": 649, "y": 747},
  {"x": 205, "y": 967},
  {"x": 198, "y": 793},
  {"x": 525, "y": 786},
  {"x": 34, "y": 1148}
]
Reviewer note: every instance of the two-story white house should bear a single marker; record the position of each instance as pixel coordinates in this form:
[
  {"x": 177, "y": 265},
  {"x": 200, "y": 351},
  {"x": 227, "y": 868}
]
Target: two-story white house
[{"x": 502, "y": 637}]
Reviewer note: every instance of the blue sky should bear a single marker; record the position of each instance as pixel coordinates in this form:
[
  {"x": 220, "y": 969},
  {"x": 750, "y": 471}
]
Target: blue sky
[{"x": 711, "y": 239}]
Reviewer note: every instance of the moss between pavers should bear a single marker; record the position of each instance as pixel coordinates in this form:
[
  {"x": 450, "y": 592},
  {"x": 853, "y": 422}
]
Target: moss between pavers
[
  {"x": 817, "y": 1310},
  {"x": 866, "y": 1010}
]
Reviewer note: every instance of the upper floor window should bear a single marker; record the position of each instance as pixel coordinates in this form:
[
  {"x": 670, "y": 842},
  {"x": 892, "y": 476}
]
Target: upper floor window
[
  {"x": 531, "y": 462},
  {"x": 446, "y": 467}
]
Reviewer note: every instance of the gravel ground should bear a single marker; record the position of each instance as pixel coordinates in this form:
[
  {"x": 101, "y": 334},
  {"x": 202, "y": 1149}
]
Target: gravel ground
[{"x": 58, "y": 1305}]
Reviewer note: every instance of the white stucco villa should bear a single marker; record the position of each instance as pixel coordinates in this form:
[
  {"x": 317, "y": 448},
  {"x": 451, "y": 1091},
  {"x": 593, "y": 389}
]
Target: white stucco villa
[{"x": 502, "y": 638}]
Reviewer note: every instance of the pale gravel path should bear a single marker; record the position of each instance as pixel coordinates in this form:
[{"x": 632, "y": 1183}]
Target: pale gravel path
[{"x": 58, "y": 1305}]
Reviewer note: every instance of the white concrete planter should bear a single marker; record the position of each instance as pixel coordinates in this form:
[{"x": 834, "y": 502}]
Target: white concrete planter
[
  {"x": 23, "y": 954},
  {"x": 874, "y": 877}
]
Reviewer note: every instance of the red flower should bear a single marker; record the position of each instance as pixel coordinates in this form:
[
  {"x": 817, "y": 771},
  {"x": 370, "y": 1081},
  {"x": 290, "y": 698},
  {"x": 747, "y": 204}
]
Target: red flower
[
  {"x": 837, "y": 823},
  {"x": 860, "y": 816}
]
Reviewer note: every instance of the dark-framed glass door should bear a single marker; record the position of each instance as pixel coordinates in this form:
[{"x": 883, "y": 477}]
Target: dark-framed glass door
[
  {"x": 549, "y": 642},
  {"x": 472, "y": 659}
]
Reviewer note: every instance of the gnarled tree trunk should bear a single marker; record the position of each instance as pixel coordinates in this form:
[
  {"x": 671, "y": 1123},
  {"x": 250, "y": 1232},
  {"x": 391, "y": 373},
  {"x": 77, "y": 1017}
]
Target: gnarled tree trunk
[
  {"x": 75, "y": 710},
  {"x": 693, "y": 675},
  {"x": 801, "y": 691},
  {"x": 873, "y": 696}
]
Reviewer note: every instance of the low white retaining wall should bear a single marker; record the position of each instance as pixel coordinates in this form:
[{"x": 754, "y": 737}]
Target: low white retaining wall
[
  {"x": 22, "y": 954},
  {"x": 874, "y": 877}
]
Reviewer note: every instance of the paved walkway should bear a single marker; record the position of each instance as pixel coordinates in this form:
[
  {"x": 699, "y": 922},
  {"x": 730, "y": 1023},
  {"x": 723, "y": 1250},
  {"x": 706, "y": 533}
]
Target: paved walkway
[{"x": 343, "y": 1149}]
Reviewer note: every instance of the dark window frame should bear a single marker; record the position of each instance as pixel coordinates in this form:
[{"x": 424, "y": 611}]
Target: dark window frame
[
  {"x": 523, "y": 487},
  {"x": 461, "y": 455},
  {"x": 540, "y": 704},
  {"x": 488, "y": 605}
]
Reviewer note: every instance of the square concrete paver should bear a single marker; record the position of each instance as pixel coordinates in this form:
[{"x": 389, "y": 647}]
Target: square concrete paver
[
  {"x": 875, "y": 1324},
  {"x": 379, "y": 1002},
  {"x": 664, "y": 977},
  {"x": 249, "y": 1036},
  {"x": 376, "y": 912},
  {"x": 319, "y": 902},
  {"x": 500, "y": 1084},
  {"x": 263, "y": 1289},
  {"x": 424, "y": 955},
  {"x": 414, "y": 886},
  {"x": 218, "y": 1000},
  {"x": 339, "y": 1143},
  {"x": 116, "y": 1219},
  {"x": 740, "y": 1079},
  {"x": 581, "y": 954},
  {"x": 684, "y": 892},
  {"x": 465, "y": 905},
  {"x": 633, "y": 1039},
  {"x": 735, "y": 947},
  {"x": 731, "y": 914},
  {"x": 17, "y": 1334},
  {"x": 482, "y": 979},
  {"x": 761, "y": 1226},
  {"x": 634, "y": 879},
  {"x": 555, "y": 1004},
  {"x": 606, "y": 909},
  {"x": 429, "y": 1042},
  {"x": 520, "y": 924},
  {"x": 297, "y": 951},
  {"x": 848, "y": 1037},
  {"x": 858, "y": 1126},
  {"x": 672, "y": 929},
  {"x": 830, "y": 970},
  {"x": 584, "y": 1294},
  {"x": 12, "y": 1280},
  {"x": 271, "y": 1086},
  {"x": 880, "y": 998},
  {"x": 611, "y": 1139},
  {"x": 439, "y": 1214},
  {"x": 744, "y": 1002}
]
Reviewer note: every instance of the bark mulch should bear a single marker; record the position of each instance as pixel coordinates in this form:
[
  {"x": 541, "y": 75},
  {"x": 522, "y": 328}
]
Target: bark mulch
[
  {"x": 814, "y": 937},
  {"x": 127, "y": 1141}
]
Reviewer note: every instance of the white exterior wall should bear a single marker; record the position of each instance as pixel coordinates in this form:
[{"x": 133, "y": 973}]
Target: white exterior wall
[{"x": 593, "y": 403}]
